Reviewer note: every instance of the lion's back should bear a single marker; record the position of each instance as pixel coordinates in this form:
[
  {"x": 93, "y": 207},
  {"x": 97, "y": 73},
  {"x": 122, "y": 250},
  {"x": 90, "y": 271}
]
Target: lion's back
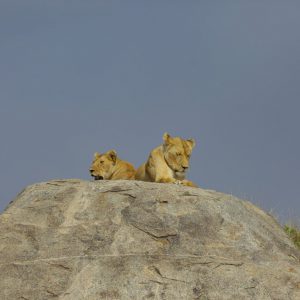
[{"x": 124, "y": 170}]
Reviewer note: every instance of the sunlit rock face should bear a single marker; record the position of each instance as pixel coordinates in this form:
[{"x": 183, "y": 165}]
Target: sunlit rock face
[{"x": 74, "y": 239}]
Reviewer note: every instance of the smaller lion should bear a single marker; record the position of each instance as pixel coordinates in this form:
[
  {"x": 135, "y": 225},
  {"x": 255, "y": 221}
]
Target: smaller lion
[
  {"x": 169, "y": 162},
  {"x": 109, "y": 167}
]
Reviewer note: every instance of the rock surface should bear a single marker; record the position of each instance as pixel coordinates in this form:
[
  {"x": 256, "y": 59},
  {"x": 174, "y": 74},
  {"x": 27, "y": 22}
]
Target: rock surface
[{"x": 74, "y": 239}]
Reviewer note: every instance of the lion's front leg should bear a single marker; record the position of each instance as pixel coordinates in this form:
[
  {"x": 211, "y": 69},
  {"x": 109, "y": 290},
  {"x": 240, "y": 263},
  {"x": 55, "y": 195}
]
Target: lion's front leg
[
  {"x": 180, "y": 182},
  {"x": 175, "y": 181},
  {"x": 188, "y": 183},
  {"x": 166, "y": 180}
]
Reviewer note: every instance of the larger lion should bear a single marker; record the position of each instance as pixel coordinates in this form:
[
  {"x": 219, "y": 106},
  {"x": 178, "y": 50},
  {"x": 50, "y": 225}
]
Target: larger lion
[
  {"x": 108, "y": 166},
  {"x": 169, "y": 162}
]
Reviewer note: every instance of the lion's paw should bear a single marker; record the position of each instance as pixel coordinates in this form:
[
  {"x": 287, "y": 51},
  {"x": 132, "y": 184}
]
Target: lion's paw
[{"x": 178, "y": 182}]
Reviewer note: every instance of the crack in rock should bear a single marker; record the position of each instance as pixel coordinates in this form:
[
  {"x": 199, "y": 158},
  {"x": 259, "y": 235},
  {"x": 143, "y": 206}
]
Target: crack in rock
[
  {"x": 236, "y": 264},
  {"x": 60, "y": 266},
  {"x": 157, "y": 271},
  {"x": 155, "y": 236},
  {"x": 52, "y": 293},
  {"x": 116, "y": 189}
]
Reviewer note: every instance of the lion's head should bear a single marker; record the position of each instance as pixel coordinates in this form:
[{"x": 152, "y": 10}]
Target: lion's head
[
  {"x": 102, "y": 166},
  {"x": 177, "y": 153}
]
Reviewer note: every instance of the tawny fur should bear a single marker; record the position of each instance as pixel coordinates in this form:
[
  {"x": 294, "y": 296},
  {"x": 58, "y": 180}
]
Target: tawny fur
[
  {"x": 109, "y": 167},
  {"x": 168, "y": 162}
]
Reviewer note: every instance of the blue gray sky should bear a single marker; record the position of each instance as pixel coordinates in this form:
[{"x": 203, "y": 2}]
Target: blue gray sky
[{"x": 83, "y": 76}]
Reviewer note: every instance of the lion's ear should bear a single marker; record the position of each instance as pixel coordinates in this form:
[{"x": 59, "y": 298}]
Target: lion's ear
[
  {"x": 166, "y": 138},
  {"x": 96, "y": 155},
  {"x": 113, "y": 155},
  {"x": 191, "y": 143}
]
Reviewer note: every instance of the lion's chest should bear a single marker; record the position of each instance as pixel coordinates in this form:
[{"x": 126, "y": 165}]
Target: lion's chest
[{"x": 167, "y": 171}]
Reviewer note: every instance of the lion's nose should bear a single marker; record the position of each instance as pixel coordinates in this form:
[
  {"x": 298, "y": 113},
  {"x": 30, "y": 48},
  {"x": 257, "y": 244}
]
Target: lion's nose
[
  {"x": 91, "y": 171},
  {"x": 185, "y": 167}
]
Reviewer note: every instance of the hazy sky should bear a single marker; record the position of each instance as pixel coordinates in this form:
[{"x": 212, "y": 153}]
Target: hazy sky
[{"x": 83, "y": 76}]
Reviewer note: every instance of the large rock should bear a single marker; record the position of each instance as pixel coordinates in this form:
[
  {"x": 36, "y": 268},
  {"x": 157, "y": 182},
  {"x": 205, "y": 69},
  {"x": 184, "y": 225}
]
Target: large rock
[{"x": 73, "y": 239}]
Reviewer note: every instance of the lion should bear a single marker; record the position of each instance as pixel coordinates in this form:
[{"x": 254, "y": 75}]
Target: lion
[
  {"x": 169, "y": 162},
  {"x": 109, "y": 167}
]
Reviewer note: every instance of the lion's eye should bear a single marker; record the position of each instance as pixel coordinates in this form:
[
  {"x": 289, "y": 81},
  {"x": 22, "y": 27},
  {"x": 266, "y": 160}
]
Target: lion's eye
[
  {"x": 101, "y": 161},
  {"x": 178, "y": 154}
]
